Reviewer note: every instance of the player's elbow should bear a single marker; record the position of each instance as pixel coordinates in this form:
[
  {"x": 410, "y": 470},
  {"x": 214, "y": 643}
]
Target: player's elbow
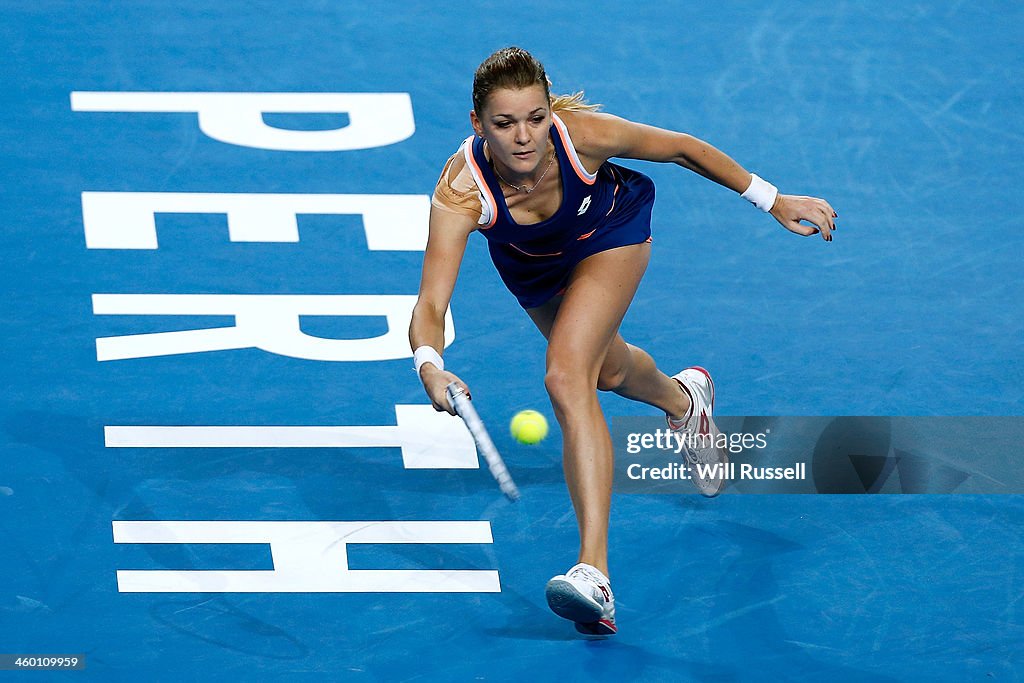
[
  {"x": 688, "y": 151},
  {"x": 427, "y": 321},
  {"x": 428, "y": 309}
]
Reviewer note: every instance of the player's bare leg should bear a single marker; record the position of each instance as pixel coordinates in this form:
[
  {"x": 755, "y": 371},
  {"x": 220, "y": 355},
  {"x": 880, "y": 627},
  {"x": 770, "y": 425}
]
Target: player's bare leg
[
  {"x": 581, "y": 328},
  {"x": 630, "y": 372},
  {"x": 627, "y": 370}
]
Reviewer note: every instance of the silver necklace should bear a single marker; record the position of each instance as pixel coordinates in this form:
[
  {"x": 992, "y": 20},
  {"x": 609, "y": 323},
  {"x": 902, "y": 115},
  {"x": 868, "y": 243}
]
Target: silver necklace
[{"x": 523, "y": 187}]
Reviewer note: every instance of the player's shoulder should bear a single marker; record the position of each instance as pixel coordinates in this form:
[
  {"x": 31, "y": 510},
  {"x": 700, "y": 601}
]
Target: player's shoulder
[
  {"x": 584, "y": 120},
  {"x": 456, "y": 174},
  {"x": 455, "y": 164},
  {"x": 589, "y": 130},
  {"x": 456, "y": 190}
]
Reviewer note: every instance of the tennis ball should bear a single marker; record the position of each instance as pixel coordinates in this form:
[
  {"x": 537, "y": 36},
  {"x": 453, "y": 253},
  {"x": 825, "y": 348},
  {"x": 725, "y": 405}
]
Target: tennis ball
[{"x": 529, "y": 427}]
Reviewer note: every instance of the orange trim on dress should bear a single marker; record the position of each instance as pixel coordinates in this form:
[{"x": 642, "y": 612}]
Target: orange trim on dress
[
  {"x": 614, "y": 199},
  {"x": 563, "y": 133},
  {"x": 481, "y": 183},
  {"x": 557, "y": 253}
]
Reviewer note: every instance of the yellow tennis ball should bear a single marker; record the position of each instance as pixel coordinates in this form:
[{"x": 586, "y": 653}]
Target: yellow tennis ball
[{"x": 529, "y": 427}]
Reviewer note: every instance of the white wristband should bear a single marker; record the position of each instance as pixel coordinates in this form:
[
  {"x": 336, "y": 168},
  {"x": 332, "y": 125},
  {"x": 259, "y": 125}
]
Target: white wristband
[
  {"x": 426, "y": 354},
  {"x": 761, "y": 193}
]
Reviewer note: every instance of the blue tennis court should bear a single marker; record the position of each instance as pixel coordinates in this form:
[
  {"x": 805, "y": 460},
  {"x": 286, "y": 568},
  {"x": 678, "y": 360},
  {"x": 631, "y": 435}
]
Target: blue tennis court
[{"x": 218, "y": 463}]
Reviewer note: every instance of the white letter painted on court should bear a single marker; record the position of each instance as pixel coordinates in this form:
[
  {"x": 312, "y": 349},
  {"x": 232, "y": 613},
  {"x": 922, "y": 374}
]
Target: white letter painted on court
[
  {"x": 270, "y": 322},
  {"x": 309, "y": 557},
  {"x": 127, "y": 220},
  {"x": 428, "y": 439},
  {"x": 375, "y": 119}
]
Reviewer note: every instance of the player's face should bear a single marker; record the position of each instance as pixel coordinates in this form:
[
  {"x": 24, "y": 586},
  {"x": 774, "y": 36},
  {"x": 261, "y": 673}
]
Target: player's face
[{"x": 515, "y": 124}]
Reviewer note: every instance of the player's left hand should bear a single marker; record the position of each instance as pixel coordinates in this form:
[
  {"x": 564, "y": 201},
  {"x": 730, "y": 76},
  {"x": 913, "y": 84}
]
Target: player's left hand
[{"x": 789, "y": 210}]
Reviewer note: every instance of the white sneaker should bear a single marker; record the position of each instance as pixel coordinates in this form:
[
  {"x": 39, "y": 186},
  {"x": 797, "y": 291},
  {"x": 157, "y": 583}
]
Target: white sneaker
[
  {"x": 584, "y": 595},
  {"x": 700, "y": 433}
]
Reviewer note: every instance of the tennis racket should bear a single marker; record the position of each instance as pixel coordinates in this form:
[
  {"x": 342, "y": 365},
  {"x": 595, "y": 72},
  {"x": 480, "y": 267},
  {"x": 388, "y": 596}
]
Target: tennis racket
[{"x": 464, "y": 407}]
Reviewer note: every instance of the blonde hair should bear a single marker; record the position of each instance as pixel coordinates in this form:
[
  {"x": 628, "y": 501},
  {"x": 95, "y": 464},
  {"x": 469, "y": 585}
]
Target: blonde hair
[
  {"x": 573, "y": 102},
  {"x": 515, "y": 68}
]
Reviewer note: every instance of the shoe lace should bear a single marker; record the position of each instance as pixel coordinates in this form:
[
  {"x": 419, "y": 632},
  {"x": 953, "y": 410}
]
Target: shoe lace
[
  {"x": 695, "y": 453},
  {"x": 591, "y": 575},
  {"x": 703, "y": 456}
]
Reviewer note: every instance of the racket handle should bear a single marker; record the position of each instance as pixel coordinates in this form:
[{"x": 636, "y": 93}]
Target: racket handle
[{"x": 464, "y": 407}]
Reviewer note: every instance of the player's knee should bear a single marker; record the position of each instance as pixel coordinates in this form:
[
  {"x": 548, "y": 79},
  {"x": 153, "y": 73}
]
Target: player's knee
[
  {"x": 564, "y": 384},
  {"x": 612, "y": 376},
  {"x": 615, "y": 367}
]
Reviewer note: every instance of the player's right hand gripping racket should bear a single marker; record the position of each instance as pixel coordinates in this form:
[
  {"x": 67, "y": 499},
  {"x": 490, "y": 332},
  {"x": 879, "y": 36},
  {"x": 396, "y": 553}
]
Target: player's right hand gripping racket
[{"x": 464, "y": 407}]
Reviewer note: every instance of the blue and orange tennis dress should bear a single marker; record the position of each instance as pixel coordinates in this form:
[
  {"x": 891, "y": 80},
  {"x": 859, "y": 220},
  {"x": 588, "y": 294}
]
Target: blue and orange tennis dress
[{"x": 599, "y": 211}]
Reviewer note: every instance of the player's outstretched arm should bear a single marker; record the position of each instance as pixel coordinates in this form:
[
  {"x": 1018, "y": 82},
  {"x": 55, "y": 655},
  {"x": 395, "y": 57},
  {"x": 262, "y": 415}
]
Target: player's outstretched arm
[
  {"x": 446, "y": 245},
  {"x": 603, "y": 136}
]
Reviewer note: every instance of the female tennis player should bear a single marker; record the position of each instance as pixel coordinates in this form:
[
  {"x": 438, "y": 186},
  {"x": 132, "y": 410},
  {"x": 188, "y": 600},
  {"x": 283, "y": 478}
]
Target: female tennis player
[{"x": 569, "y": 233}]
